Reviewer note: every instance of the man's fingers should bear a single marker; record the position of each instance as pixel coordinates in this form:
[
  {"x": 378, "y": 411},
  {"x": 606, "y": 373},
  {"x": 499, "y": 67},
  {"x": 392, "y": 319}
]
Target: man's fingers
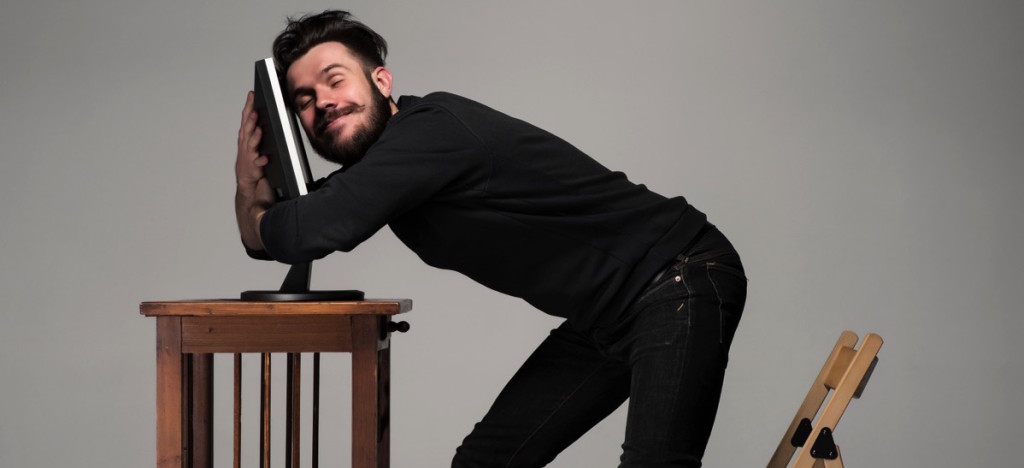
[
  {"x": 250, "y": 124},
  {"x": 252, "y": 173},
  {"x": 254, "y": 139},
  {"x": 249, "y": 163},
  {"x": 248, "y": 118},
  {"x": 247, "y": 109}
]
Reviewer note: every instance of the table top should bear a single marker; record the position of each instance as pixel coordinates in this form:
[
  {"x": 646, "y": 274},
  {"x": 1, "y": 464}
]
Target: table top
[{"x": 234, "y": 307}]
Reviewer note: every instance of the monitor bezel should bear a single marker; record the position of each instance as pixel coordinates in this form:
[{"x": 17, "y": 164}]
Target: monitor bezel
[{"x": 288, "y": 168}]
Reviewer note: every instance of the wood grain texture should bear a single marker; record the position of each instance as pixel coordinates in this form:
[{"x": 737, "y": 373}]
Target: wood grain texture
[
  {"x": 228, "y": 307},
  {"x": 188, "y": 332},
  {"x": 262, "y": 334},
  {"x": 369, "y": 393},
  {"x": 844, "y": 372},
  {"x": 293, "y": 441},
  {"x": 168, "y": 392},
  {"x": 201, "y": 402},
  {"x": 812, "y": 401},
  {"x": 265, "y": 411},
  {"x": 316, "y": 411},
  {"x": 855, "y": 370}
]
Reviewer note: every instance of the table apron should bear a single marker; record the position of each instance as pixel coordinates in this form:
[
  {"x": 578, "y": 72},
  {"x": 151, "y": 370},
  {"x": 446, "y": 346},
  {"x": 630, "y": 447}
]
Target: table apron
[{"x": 266, "y": 334}]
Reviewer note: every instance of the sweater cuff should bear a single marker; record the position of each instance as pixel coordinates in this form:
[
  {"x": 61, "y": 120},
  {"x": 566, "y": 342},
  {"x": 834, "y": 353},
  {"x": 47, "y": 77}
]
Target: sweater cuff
[{"x": 257, "y": 254}]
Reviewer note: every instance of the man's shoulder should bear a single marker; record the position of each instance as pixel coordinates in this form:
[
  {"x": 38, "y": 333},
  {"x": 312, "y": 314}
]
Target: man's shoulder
[
  {"x": 445, "y": 108},
  {"x": 468, "y": 112},
  {"x": 442, "y": 99},
  {"x": 435, "y": 118}
]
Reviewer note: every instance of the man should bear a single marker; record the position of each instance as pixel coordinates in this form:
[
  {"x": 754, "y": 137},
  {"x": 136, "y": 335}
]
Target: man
[{"x": 651, "y": 292}]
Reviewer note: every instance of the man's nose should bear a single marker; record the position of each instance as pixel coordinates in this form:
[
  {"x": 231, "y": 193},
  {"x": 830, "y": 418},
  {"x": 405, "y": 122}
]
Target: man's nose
[{"x": 325, "y": 102}]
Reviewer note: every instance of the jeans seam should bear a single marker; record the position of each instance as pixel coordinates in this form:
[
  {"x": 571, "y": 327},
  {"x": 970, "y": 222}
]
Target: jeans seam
[
  {"x": 718, "y": 296},
  {"x": 690, "y": 315},
  {"x": 709, "y": 255},
  {"x": 729, "y": 270},
  {"x": 553, "y": 412}
]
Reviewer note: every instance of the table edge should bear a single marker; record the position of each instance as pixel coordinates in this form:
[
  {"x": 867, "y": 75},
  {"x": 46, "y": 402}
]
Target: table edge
[{"x": 230, "y": 307}]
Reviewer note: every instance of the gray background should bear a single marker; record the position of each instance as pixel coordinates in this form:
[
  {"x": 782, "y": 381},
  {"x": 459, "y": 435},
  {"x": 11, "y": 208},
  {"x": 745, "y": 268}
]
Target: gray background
[{"x": 862, "y": 155}]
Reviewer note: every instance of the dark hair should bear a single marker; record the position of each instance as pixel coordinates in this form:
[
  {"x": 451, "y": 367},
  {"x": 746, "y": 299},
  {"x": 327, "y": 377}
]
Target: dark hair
[{"x": 332, "y": 25}]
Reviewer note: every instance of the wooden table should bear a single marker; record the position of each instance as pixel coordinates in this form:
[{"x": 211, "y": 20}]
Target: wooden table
[{"x": 188, "y": 332}]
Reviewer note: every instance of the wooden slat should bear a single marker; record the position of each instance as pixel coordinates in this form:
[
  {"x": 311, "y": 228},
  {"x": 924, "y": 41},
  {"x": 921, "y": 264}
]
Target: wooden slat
[
  {"x": 238, "y": 412},
  {"x": 186, "y": 411},
  {"x": 265, "y": 411},
  {"x": 201, "y": 403},
  {"x": 838, "y": 368},
  {"x": 316, "y": 411},
  {"x": 232, "y": 307},
  {"x": 289, "y": 334},
  {"x": 168, "y": 392},
  {"x": 293, "y": 411},
  {"x": 289, "y": 369}
]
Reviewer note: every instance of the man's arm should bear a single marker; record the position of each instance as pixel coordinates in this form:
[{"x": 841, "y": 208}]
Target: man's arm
[
  {"x": 253, "y": 195},
  {"x": 425, "y": 151}
]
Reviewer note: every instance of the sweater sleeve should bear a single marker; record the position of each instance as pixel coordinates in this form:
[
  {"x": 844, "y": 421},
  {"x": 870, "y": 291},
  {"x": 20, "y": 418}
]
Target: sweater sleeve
[{"x": 423, "y": 154}]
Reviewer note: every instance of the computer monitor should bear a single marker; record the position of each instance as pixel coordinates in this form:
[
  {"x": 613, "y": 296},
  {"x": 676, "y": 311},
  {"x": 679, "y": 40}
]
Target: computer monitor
[
  {"x": 289, "y": 176},
  {"x": 288, "y": 169}
]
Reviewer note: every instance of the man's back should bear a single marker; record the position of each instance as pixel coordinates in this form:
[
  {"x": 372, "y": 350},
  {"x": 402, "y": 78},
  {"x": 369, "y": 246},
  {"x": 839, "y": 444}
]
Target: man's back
[{"x": 508, "y": 204}]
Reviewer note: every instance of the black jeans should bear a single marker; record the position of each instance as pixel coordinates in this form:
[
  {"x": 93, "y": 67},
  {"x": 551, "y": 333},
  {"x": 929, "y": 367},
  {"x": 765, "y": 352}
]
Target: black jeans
[{"x": 668, "y": 358}]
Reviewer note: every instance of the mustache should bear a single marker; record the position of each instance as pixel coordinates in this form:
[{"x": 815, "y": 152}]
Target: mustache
[{"x": 324, "y": 119}]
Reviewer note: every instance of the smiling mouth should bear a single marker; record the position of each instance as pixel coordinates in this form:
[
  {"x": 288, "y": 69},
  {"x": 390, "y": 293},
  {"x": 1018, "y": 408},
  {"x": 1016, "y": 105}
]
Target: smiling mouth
[
  {"x": 334, "y": 118},
  {"x": 335, "y": 123}
]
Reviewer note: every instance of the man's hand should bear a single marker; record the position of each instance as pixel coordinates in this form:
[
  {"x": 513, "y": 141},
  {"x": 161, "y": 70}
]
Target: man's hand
[{"x": 254, "y": 195}]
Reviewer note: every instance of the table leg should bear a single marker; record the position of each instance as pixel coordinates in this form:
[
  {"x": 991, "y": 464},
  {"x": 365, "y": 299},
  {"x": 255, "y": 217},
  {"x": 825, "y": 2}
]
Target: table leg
[
  {"x": 201, "y": 423},
  {"x": 370, "y": 373},
  {"x": 384, "y": 398},
  {"x": 168, "y": 392}
]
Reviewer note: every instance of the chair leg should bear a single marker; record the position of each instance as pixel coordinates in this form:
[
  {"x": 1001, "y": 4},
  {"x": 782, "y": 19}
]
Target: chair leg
[
  {"x": 812, "y": 402},
  {"x": 838, "y": 462},
  {"x": 825, "y": 463}
]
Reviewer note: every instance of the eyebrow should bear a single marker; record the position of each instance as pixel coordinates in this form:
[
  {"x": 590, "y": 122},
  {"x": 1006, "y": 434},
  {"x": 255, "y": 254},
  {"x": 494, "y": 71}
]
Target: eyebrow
[
  {"x": 307, "y": 90},
  {"x": 332, "y": 67}
]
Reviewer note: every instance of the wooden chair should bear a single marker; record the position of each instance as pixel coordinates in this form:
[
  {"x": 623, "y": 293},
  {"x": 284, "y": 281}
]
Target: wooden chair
[{"x": 845, "y": 373}]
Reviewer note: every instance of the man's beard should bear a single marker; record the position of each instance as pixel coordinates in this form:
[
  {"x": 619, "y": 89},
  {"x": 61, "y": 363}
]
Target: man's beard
[{"x": 349, "y": 152}]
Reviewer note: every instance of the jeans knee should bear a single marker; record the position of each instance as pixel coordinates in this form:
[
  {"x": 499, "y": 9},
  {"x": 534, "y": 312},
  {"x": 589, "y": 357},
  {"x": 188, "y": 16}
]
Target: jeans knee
[{"x": 468, "y": 457}]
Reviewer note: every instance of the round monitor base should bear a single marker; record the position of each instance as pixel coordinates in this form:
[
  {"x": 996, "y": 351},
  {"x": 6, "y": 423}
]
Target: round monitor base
[{"x": 307, "y": 296}]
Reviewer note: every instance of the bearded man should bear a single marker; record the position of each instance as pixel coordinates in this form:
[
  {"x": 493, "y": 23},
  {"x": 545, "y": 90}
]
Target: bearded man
[{"x": 651, "y": 293}]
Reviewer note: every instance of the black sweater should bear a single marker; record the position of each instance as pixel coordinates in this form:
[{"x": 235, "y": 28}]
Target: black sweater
[{"x": 509, "y": 205}]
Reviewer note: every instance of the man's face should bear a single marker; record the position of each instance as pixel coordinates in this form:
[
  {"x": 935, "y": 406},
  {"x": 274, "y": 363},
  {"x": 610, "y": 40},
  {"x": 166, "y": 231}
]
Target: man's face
[{"x": 342, "y": 107}]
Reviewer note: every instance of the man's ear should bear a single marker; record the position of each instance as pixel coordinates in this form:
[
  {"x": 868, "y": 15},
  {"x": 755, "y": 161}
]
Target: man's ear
[{"x": 381, "y": 78}]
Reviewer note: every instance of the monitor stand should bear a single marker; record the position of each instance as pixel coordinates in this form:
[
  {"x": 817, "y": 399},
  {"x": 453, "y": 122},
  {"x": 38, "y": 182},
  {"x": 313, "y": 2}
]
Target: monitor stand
[{"x": 296, "y": 288}]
